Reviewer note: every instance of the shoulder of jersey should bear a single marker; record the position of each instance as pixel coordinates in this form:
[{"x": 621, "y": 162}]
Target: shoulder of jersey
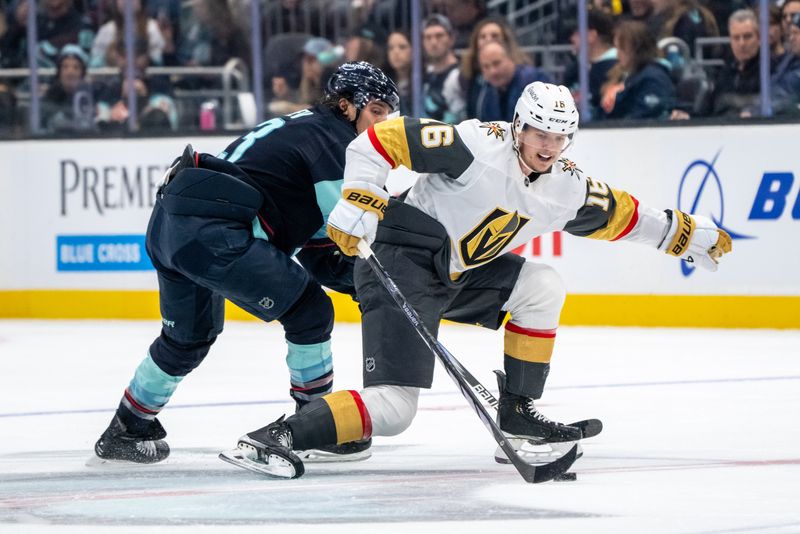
[
  {"x": 485, "y": 136},
  {"x": 567, "y": 167}
]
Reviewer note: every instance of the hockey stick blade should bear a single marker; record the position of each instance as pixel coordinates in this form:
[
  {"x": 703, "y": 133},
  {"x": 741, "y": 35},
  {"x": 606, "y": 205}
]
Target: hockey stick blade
[
  {"x": 530, "y": 473},
  {"x": 589, "y": 427}
]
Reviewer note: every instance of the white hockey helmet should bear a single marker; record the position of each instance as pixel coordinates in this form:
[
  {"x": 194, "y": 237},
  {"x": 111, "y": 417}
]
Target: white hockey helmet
[{"x": 546, "y": 107}]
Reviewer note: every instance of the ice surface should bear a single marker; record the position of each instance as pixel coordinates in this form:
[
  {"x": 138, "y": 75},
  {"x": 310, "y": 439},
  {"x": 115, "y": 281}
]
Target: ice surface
[{"x": 701, "y": 436}]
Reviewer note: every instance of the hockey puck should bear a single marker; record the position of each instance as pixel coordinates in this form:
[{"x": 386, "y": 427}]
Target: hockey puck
[{"x": 564, "y": 477}]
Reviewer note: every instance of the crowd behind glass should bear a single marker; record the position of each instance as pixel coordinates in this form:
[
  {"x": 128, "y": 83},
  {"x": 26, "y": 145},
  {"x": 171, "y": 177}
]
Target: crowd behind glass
[{"x": 649, "y": 59}]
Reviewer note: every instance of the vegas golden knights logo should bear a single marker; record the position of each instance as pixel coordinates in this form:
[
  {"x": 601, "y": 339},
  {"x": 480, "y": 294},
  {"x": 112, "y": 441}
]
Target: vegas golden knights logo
[{"x": 491, "y": 236}]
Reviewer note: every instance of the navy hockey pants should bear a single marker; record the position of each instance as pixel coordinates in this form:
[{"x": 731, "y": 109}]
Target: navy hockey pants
[{"x": 202, "y": 260}]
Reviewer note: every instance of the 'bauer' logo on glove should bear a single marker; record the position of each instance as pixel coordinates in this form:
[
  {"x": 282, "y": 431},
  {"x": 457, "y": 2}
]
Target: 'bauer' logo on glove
[
  {"x": 683, "y": 236},
  {"x": 356, "y": 215},
  {"x": 696, "y": 239},
  {"x": 366, "y": 201}
]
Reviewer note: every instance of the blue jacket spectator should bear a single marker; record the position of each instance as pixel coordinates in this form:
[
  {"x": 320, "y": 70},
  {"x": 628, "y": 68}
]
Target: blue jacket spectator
[
  {"x": 68, "y": 104},
  {"x": 786, "y": 83},
  {"x": 503, "y": 82},
  {"x": 59, "y": 24},
  {"x": 602, "y": 58},
  {"x": 648, "y": 94},
  {"x": 646, "y": 91}
]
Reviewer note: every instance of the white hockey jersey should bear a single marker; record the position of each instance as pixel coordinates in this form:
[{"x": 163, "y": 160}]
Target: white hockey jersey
[{"x": 471, "y": 182}]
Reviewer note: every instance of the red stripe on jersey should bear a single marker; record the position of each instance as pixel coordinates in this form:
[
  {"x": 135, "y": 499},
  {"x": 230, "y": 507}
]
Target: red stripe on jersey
[
  {"x": 633, "y": 221},
  {"x": 556, "y": 243},
  {"x": 376, "y": 144},
  {"x": 511, "y": 327},
  {"x": 138, "y": 406},
  {"x": 266, "y": 226},
  {"x": 366, "y": 420}
]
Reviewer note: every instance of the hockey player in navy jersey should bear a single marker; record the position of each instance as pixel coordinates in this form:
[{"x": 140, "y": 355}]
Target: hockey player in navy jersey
[
  {"x": 226, "y": 228},
  {"x": 486, "y": 188}
]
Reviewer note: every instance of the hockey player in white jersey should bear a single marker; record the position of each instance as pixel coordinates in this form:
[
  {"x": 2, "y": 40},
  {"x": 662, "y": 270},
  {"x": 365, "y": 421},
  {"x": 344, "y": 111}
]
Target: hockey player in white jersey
[{"x": 484, "y": 189}]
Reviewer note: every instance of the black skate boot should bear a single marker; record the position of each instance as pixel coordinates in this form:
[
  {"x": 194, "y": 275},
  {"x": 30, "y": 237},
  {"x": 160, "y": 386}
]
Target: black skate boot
[
  {"x": 518, "y": 416},
  {"x": 119, "y": 443},
  {"x": 267, "y": 451}
]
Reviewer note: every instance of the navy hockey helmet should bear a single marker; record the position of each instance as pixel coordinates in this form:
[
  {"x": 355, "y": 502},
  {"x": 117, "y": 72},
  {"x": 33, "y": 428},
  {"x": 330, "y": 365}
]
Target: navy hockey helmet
[{"x": 364, "y": 82}]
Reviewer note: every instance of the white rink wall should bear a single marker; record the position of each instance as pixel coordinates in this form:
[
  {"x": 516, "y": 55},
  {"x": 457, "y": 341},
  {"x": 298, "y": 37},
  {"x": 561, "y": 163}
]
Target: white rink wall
[{"x": 75, "y": 212}]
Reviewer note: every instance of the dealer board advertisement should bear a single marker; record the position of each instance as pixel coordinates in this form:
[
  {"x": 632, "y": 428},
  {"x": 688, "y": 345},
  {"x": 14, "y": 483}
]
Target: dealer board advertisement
[{"x": 75, "y": 212}]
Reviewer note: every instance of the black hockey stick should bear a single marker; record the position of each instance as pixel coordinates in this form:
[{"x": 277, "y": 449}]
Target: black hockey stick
[{"x": 531, "y": 473}]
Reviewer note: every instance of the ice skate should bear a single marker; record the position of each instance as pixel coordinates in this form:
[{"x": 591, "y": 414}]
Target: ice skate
[
  {"x": 267, "y": 451},
  {"x": 118, "y": 443},
  {"x": 535, "y": 437},
  {"x": 517, "y": 415}
]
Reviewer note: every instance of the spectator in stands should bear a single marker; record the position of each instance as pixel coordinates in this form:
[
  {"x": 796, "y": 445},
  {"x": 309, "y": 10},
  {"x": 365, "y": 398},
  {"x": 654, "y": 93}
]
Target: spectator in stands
[
  {"x": 503, "y": 82},
  {"x": 12, "y": 52},
  {"x": 777, "y": 48},
  {"x": 738, "y": 84},
  {"x": 398, "y": 57},
  {"x": 8, "y": 109},
  {"x": 684, "y": 19},
  {"x": 154, "y": 103},
  {"x": 463, "y": 15},
  {"x": 289, "y": 16},
  {"x": 167, "y": 13},
  {"x": 646, "y": 91},
  {"x": 284, "y": 98},
  {"x": 318, "y": 54},
  {"x": 602, "y": 57},
  {"x": 443, "y": 97},
  {"x": 641, "y": 10},
  {"x": 58, "y": 25},
  {"x": 214, "y": 36},
  {"x": 723, "y": 9},
  {"x": 145, "y": 30},
  {"x": 489, "y": 29},
  {"x": 786, "y": 84},
  {"x": 788, "y": 10},
  {"x": 68, "y": 104},
  {"x": 366, "y": 43},
  {"x": 3, "y": 18}
]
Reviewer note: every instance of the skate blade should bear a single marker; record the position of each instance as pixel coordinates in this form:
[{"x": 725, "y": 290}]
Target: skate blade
[
  {"x": 315, "y": 456},
  {"x": 534, "y": 453},
  {"x": 275, "y": 466},
  {"x": 95, "y": 462}
]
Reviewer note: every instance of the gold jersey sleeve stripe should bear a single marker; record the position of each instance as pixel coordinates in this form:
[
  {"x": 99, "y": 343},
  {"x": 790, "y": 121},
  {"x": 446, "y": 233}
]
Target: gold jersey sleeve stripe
[
  {"x": 347, "y": 416},
  {"x": 620, "y": 219},
  {"x": 391, "y": 135}
]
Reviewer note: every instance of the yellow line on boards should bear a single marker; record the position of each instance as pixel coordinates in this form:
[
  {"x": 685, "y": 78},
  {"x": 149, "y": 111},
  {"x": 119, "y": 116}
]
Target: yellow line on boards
[{"x": 736, "y": 311}]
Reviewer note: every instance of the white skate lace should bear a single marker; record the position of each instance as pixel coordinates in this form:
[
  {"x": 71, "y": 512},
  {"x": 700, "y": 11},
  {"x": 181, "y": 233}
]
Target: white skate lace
[
  {"x": 537, "y": 414},
  {"x": 284, "y": 438},
  {"x": 148, "y": 448}
]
